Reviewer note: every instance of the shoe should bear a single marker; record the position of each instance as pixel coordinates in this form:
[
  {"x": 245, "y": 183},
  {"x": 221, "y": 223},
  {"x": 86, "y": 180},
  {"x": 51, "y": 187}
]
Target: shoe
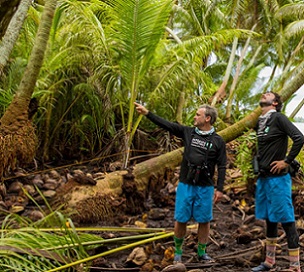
[
  {"x": 205, "y": 258},
  {"x": 261, "y": 267},
  {"x": 177, "y": 258}
]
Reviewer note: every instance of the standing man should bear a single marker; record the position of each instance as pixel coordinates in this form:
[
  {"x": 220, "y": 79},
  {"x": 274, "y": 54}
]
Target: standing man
[
  {"x": 273, "y": 189},
  {"x": 204, "y": 150}
]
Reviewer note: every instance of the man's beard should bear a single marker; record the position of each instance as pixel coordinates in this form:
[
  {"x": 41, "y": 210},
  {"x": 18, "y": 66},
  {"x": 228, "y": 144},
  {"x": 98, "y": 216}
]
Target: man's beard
[{"x": 265, "y": 103}]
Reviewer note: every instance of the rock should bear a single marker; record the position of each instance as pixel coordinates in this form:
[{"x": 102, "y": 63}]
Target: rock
[
  {"x": 35, "y": 215},
  {"x": 49, "y": 193},
  {"x": 157, "y": 214},
  {"x": 78, "y": 172},
  {"x": 15, "y": 187},
  {"x": 3, "y": 205},
  {"x": 89, "y": 175},
  {"x": 179, "y": 267},
  {"x": 244, "y": 238},
  {"x": 50, "y": 184},
  {"x": 39, "y": 200},
  {"x": 16, "y": 209},
  {"x": 29, "y": 189},
  {"x": 138, "y": 256},
  {"x": 54, "y": 174},
  {"x": 37, "y": 181},
  {"x": 83, "y": 179}
]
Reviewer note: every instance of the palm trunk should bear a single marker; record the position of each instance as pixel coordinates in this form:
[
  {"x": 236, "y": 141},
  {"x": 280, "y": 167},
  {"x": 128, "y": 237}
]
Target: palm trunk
[
  {"x": 12, "y": 33},
  {"x": 234, "y": 83},
  {"x": 7, "y": 11},
  {"x": 18, "y": 140},
  {"x": 19, "y": 106},
  {"x": 221, "y": 92},
  {"x": 180, "y": 107},
  {"x": 297, "y": 109}
]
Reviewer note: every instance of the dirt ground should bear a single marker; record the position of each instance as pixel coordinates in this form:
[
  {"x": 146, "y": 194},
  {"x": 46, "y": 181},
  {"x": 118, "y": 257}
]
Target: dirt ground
[{"x": 236, "y": 240}]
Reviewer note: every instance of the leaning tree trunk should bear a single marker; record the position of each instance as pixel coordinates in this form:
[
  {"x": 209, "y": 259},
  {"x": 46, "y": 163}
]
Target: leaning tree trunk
[
  {"x": 91, "y": 201},
  {"x": 221, "y": 92},
  {"x": 297, "y": 109},
  {"x": 18, "y": 140},
  {"x": 12, "y": 32},
  {"x": 7, "y": 10}
]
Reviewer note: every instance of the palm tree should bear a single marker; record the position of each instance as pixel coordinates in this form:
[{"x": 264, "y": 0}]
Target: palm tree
[
  {"x": 18, "y": 140},
  {"x": 174, "y": 62},
  {"x": 8, "y": 8},
  {"x": 76, "y": 109},
  {"x": 136, "y": 31},
  {"x": 12, "y": 33}
]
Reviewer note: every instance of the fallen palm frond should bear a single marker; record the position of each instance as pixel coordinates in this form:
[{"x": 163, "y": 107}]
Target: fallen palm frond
[{"x": 26, "y": 247}]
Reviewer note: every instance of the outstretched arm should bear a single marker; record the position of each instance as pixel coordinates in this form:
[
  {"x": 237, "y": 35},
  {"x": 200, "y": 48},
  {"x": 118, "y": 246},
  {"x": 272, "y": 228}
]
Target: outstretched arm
[{"x": 174, "y": 128}]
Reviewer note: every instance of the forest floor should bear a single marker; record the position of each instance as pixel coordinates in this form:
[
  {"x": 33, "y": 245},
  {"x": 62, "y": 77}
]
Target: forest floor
[{"x": 236, "y": 240}]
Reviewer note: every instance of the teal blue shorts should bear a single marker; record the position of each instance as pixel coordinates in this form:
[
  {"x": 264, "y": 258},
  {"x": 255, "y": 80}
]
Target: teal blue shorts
[
  {"x": 193, "y": 202},
  {"x": 273, "y": 199}
]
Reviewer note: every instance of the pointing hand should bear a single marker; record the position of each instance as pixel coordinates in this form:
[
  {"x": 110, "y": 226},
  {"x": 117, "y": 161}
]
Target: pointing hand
[{"x": 141, "y": 109}]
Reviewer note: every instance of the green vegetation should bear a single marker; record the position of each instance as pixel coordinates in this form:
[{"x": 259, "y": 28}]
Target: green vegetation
[
  {"x": 103, "y": 55},
  {"x": 99, "y": 57},
  {"x": 54, "y": 244}
]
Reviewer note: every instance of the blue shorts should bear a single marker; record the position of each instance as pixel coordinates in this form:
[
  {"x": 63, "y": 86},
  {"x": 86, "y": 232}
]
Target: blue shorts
[
  {"x": 273, "y": 199},
  {"x": 193, "y": 201}
]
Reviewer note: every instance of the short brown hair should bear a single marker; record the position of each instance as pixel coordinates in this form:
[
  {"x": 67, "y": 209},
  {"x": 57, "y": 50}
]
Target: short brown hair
[
  {"x": 277, "y": 98},
  {"x": 210, "y": 111}
]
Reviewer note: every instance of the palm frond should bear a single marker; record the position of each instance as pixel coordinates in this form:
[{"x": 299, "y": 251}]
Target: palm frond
[
  {"x": 293, "y": 11},
  {"x": 202, "y": 46},
  {"x": 61, "y": 246},
  {"x": 295, "y": 29},
  {"x": 137, "y": 29}
]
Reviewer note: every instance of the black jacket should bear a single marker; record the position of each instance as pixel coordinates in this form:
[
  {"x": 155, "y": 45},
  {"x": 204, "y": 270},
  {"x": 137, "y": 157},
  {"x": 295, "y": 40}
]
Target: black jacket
[
  {"x": 196, "y": 147},
  {"x": 273, "y": 141}
]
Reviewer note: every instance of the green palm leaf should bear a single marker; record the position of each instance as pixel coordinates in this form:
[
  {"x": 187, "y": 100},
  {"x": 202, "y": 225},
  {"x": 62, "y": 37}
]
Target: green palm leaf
[
  {"x": 293, "y": 13},
  {"x": 137, "y": 29},
  {"x": 26, "y": 247}
]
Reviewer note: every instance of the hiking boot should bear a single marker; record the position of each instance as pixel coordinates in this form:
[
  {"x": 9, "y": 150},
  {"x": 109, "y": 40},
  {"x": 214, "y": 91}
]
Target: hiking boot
[
  {"x": 205, "y": 258},
  {"x": 177, "y": 258},
  {"x": 261, "y": 267}
]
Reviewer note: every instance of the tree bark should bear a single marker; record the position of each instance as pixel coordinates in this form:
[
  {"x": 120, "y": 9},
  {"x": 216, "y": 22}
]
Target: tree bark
[
  {"x": 221, "y": 92},
  {"x": 12, "y": 33},
  {"x": 297, "y": 109},
  {"x": 75, "y": 197},
  {"x": 18, "y": 140},
  {"x": 180, "y": 106},
  {"x": 7, "y": 11},
  {"x": 235, "y": 80},
  {"x": 19, "y": 106}
]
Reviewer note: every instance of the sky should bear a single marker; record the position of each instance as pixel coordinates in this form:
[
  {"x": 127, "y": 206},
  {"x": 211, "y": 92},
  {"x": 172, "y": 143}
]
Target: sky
[{"x": 295, "y": 102}]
